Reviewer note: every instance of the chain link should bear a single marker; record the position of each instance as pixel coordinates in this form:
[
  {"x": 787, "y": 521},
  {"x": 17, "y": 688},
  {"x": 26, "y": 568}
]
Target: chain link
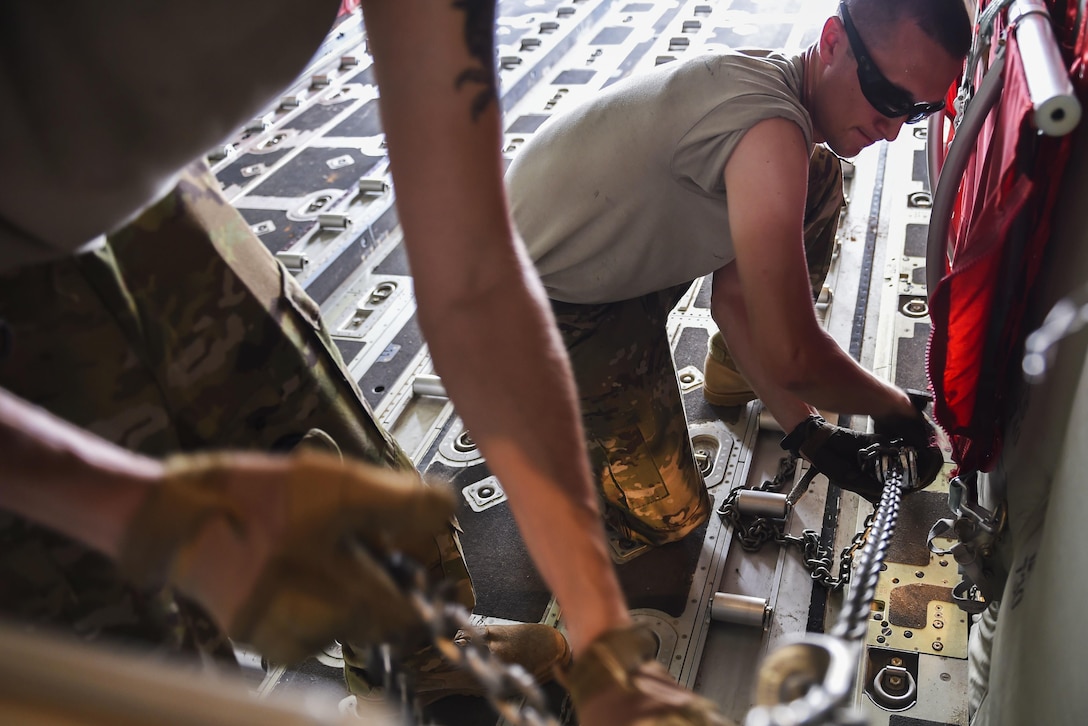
[
  {"x": 896, "y": 468},
  {"x": 752, "y": 532},
  {"x": 508, "y": 687}
]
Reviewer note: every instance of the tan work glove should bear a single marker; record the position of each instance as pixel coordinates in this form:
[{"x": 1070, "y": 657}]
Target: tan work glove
[
  {"x": 284, "y": 551},
  {"x": 618, "y": 682}
]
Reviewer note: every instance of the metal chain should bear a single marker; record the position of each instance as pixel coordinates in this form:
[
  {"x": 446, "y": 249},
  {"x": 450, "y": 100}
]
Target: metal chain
[
  {"x": 817, "y": 558},
  {"x": 831, "y": 659},
  {"x": 892, "y": 468},
  {"x": 752, "y": 532},
  {"x": 512, "y": 692},
  {"x": 508, "y": 687}
]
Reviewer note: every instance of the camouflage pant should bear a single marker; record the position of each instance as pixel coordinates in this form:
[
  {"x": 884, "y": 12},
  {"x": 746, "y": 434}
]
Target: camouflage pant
[
  {"x": 183, "y": 334},
  {"x": 634, "y": 417},
  {"x": 822, "y": 208},
  {"x": 631, "y": 403}
]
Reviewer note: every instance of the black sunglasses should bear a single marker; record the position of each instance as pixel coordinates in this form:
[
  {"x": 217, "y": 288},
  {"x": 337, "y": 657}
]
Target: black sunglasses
[{"x": 886, "y": 97}]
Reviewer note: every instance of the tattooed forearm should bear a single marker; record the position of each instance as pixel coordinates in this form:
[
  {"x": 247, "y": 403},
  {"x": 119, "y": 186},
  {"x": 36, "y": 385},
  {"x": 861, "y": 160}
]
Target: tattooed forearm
[{"x": 480, "y": 40}]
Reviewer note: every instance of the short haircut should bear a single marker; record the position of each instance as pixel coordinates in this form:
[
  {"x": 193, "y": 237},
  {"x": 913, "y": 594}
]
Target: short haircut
[{"x": 946, "y": 21}]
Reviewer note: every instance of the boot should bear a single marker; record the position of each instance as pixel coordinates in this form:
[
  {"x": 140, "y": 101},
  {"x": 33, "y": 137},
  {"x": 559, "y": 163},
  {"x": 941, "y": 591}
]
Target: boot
[
  {"x": 723, "y": 385},
  {"x": 539, "y": 649}
]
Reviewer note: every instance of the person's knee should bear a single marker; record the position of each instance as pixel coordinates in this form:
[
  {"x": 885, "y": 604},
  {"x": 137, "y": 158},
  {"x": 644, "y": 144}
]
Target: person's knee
[{"x": 671, "y": 520}]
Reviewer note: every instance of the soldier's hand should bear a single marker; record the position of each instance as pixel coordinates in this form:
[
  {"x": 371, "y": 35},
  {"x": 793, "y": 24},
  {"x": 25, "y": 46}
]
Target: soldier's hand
[
  {"x": 286, "y": 552},
  {"x": 918, "y": 432},
  {"x": 833, "y": 451},
  {"x": 618, "y": 682}
]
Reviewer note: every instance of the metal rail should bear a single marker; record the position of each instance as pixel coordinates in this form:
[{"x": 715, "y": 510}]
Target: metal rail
[{"x": 1057, "y": 109}]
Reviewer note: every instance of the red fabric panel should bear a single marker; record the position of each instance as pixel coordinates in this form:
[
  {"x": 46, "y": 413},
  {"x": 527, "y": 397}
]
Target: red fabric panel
[{"x": 1012, "y": 177}]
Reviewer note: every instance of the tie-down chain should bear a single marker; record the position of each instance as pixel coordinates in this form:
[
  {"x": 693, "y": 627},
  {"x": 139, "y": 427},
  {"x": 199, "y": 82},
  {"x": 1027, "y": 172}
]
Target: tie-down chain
[
  {"x": 802, "y": 684},
  {"x": 508, "y": 687},
  {"x": 808, "y": 682},
  {"x": 752, "y": 531}
]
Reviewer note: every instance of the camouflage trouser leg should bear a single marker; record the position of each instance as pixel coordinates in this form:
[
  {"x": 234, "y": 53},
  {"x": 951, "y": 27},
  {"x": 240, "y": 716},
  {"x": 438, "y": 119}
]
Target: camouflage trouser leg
[
  {"x": 251, "y": 365},
  {"x": 186, "y": 334},
  {"x": 71, "y": 352},
  {"x": 634, "y": 416},
  {"x": 822, "y": 207}
]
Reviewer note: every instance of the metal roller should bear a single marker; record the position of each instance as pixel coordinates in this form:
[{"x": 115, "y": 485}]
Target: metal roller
[
  {"x": 293, "y": 261},
  {"x": 373, "y": 186},
  {"x": 740, "y": 609},
  {"x": 762, "y": 504},
  {"x": 333, "y": 221},
  {"x": 425, "y": 385}
]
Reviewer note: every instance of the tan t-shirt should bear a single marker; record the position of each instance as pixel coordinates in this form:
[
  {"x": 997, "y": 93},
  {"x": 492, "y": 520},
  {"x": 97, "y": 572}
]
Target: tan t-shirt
[
  {"x": 624, "y": 195},
  {"x": 101, "y": 103}
]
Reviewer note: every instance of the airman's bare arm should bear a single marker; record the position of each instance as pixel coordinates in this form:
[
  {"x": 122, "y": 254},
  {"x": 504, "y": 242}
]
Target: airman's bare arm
[{"x": 762, "y": 301}]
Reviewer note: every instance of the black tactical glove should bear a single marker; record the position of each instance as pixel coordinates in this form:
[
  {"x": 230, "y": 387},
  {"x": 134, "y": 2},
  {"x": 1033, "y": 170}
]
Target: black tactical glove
[
  {"x": 917, "y": 432},
  {"x": 833, "y": 451}
]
